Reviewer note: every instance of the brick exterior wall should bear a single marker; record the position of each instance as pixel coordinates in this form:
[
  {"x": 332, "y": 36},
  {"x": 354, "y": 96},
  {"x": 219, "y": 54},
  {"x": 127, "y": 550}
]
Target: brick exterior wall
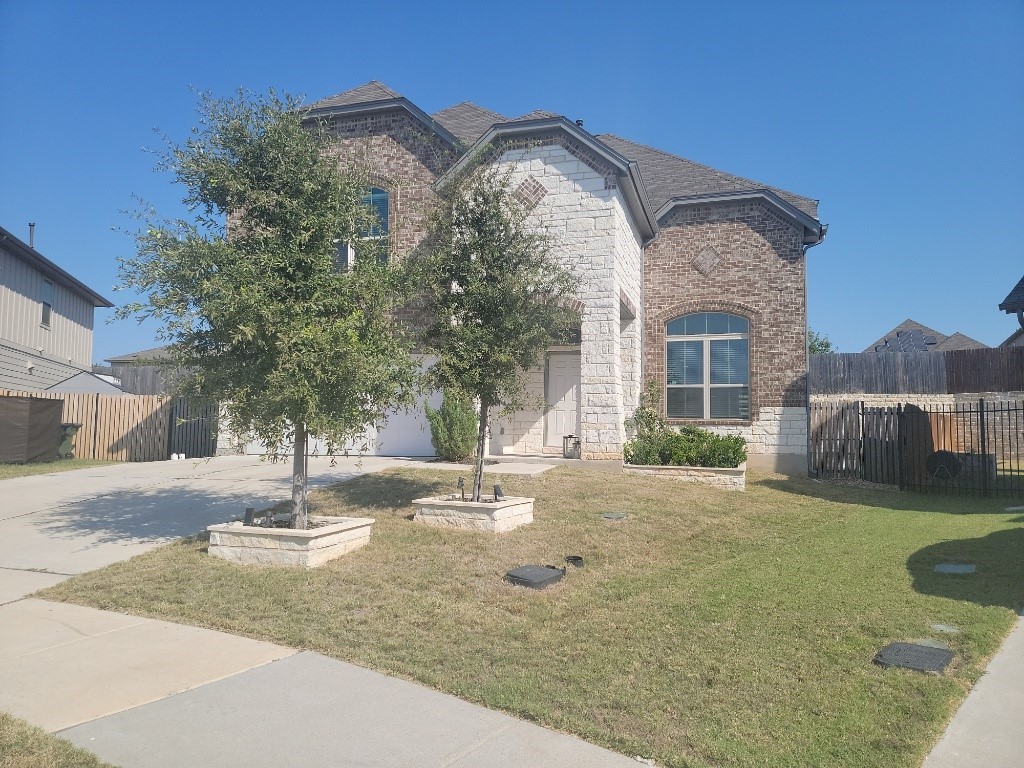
[
  {"x": 401, "y": 156},
  {"x": 760, "y": 275}
]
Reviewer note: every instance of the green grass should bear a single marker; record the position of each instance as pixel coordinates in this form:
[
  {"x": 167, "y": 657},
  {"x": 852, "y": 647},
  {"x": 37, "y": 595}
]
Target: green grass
[
  {"x": 25, "y": 746},
  {"x": 708, "y": 628},
  {"x": 46, "y": 467}
]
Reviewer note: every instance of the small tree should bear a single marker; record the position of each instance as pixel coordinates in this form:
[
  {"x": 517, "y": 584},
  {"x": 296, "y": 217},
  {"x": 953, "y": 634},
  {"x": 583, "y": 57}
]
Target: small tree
[
  {"x": 496, "y": 295},
  {"x": 250, "y": 293},
  {"x": 819, "y": 344}
]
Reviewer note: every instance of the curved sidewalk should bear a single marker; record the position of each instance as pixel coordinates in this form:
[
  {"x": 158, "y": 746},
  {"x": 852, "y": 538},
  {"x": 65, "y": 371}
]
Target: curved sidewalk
[{"x": 143, "y": 693}]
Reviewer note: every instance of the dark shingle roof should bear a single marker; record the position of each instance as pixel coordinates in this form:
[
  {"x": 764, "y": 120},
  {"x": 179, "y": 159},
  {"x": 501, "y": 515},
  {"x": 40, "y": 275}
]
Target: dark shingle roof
[
  {"x": 537, "y": 114},
  {"x": 467, "y": 121},
  {"x": 371, "y": 91},
  {"x": 22, "y": 250},
  {"x": 1014, "y": 302},
  {"x": 910, "y": 336},
  {"x": 145, "y": 356},
  {"x": 958, "y": 341},
  {"x": 667, "y": 176}
]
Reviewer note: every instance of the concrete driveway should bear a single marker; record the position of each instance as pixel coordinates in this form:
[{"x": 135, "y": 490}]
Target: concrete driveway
[{"x": 58, "y": 525}]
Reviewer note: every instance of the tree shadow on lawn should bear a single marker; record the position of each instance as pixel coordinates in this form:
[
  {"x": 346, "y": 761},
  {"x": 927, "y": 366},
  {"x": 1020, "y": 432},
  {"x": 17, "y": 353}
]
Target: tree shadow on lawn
[
  {"x": 381, "y": 490},
  {"x": 997, "y": 581},
  {"x": 889, "y": 497}
]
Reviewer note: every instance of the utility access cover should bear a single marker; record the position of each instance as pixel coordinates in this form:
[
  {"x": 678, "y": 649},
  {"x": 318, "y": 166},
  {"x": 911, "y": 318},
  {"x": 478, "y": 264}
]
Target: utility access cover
[
  {"x": 920, "y": 658},
  {"x": 955, "y": 568},
  {"x": 535, "y": 576}
]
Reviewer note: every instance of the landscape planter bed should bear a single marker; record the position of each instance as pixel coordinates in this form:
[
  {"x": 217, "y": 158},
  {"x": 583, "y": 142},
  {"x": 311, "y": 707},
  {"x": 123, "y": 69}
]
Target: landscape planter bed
[
  {"x": 734, "y": 479},
  {"x": 327, "y": 538},
  {"x": 494, "y": 516}
]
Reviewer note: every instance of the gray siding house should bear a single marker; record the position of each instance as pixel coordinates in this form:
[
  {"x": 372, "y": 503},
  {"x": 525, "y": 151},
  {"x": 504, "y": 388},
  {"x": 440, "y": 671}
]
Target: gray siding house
[{"x": 46, "y": 323}]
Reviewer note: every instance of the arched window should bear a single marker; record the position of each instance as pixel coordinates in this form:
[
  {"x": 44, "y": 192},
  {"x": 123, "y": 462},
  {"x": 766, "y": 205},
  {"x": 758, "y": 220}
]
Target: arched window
[
  {"x": 377, "y": 199},
  {"x": 707, "y": 364}
]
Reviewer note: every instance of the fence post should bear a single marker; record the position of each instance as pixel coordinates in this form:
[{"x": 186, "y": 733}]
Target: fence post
[
  {"x": 984, "y": 447},
  {"x": 900, "y": 468}
]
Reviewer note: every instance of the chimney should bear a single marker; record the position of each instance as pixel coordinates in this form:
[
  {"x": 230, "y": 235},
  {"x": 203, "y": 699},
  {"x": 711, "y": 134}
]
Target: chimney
[{"x": 31, "y": 234}]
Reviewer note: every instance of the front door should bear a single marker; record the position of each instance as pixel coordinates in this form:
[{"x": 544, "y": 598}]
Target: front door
[{"x": 563, "y": 397}]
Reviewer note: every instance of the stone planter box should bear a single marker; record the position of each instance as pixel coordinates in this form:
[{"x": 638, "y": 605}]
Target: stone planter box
[
  {"x": 287, "y": 546},
  {"x": 494, "y": 516},
  {"x": 729, "y": 479}
]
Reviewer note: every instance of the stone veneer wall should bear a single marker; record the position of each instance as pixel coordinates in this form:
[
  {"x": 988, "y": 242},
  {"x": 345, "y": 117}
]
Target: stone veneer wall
[
  {"x": 585, "y": 215},
  {"x": 752, "y": 264}
]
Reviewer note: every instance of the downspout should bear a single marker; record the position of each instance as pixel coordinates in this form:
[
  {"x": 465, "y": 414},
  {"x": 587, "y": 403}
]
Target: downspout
[{"x": 807, "y": 355}]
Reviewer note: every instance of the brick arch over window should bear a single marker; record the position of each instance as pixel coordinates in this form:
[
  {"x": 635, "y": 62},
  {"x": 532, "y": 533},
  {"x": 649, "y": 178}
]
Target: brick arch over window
[{"x": 657, "y": 351}]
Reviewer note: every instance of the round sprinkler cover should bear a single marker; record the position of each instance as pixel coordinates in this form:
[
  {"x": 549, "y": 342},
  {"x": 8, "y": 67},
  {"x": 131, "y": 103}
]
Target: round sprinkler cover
[{"x": 535, "y": 576}]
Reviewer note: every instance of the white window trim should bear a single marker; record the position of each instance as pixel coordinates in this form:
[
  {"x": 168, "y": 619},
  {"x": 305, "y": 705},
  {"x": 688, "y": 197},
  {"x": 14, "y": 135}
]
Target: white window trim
[{"x": 706, "y": 339}]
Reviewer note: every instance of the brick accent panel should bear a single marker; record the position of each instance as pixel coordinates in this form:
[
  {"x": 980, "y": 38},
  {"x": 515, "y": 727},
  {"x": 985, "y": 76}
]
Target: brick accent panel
[
  {"x": 760, "y": 276},
  {"x": 399, "y": 155}
]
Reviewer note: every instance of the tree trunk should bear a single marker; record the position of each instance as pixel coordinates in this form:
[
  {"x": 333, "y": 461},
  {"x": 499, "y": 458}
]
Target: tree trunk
[
  {"x": 481, "y": 446},
  {"x": 300, "y": 517}
]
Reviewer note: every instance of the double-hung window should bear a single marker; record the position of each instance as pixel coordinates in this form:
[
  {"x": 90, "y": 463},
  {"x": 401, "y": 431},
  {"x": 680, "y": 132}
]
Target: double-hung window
[{"x": 708, "y": 366}]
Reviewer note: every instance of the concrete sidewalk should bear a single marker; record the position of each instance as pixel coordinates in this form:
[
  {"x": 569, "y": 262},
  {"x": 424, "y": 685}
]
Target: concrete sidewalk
[
  {"x": 988, "y": 729},
  {"x": 142, "y": 693}
]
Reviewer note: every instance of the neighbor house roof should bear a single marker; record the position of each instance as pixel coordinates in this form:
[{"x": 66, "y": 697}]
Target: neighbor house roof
[
  {"x": 145, "y": 356},
  {"x": 372, "y": 91},
  {"x": 911, "y": 336},
  {"x": 1014, "y": 302},
  {"x": 37, "y": 261}
]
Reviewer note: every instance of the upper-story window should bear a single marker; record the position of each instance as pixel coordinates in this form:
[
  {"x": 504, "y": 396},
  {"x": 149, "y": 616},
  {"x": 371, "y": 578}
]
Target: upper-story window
[
  {"x": 708, "y": 366},
  {"x": 377, "y": 199},
  {"x": 46, "y": 299}
]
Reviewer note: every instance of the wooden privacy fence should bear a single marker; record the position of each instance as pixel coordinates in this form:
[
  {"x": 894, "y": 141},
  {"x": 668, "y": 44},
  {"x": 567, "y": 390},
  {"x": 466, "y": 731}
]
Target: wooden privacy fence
[
  {"x": 135, "y": 427},
  {"x": 964, "y": 370},
  {"x": 972, "y": 448}
]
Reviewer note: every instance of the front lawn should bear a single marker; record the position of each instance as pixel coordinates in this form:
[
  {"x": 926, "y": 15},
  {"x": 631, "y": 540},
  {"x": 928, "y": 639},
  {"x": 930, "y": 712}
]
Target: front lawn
[
  {"x": 24, "y": 746},
  {"x": 707, "y": 628},
  {"x": 46, "y": 467}
]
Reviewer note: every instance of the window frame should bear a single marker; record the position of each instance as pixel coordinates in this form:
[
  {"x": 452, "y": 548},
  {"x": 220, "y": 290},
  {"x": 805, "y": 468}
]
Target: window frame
[
  {"x": 49, "y": 290},
  {"x": 705, "y": 339}
]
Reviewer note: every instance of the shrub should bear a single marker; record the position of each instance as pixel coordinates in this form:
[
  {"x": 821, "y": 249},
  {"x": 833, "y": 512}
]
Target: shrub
[
  {"x": 657, "y": 443},
  {"x": 453, "y": 427}
]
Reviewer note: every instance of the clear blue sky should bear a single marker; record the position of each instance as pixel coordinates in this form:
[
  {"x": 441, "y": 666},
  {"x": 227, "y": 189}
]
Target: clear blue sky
[{"x": 905, "y": 119}]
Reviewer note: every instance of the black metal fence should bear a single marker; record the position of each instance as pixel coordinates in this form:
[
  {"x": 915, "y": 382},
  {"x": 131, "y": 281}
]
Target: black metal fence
[{"x": 974, "y": 448}]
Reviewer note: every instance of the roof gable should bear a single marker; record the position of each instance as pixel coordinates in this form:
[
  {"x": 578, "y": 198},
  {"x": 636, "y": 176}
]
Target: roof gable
[
  {"x": 371, "y": 91},
  {"x": 1014, "y": 301},
  {"x": 40, "y": 263}
]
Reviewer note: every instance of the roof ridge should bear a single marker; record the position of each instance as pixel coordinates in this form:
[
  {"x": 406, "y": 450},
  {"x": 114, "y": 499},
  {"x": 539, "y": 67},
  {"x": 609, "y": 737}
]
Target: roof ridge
[{"x": 757, "y": 184}]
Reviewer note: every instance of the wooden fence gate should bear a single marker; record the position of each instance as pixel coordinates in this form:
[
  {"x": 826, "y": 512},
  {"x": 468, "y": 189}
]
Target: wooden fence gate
[
  {"x": 135, "y": 427},
  {"x": 972, "y": 448}
]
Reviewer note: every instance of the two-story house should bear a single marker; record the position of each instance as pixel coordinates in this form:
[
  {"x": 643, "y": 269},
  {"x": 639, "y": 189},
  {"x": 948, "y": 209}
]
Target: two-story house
[
  {"x": 691, "y": 277},
  {"x": 46, "y": 324}
]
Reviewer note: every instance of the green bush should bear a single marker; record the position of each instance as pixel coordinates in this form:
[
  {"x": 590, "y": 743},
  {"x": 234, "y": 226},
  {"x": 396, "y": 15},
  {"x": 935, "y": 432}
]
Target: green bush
[
  {"x": 690, "y": 446},
  {"x": 453, "y": 427},
  {"x": 656, "y": 443}
]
